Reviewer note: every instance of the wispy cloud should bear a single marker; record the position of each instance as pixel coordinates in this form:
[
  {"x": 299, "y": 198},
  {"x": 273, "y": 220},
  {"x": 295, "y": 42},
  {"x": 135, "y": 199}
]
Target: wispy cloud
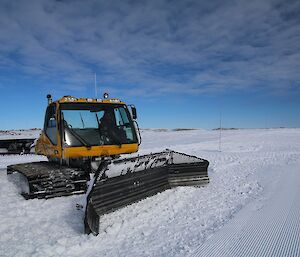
[{"x": 156, "y": 47}]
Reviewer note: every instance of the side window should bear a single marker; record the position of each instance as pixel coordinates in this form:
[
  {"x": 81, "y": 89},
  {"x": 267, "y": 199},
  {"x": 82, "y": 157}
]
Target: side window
[
  {"x": 121, "y": 116},
  {"x": 50, "y": 124},
  {"x": 118, "y": 117},
  {"x": 123, "y": 123}
]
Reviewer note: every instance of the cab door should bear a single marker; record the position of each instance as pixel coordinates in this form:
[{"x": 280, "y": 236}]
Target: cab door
[
  {"x": 48, "y": 143},
  {"x": 50, "y": 125}
]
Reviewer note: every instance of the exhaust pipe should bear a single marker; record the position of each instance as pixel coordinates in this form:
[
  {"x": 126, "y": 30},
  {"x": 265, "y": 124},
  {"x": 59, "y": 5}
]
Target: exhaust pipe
[{"x": 49, "y": 97}]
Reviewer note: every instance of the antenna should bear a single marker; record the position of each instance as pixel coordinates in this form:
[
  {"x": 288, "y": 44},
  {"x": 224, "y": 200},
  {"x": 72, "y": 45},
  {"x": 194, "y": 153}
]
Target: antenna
[{"x": 95, "y": 85}]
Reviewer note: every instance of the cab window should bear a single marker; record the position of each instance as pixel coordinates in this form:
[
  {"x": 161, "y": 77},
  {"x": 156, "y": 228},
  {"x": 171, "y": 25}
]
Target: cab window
[{"x": 50, "y": 124}]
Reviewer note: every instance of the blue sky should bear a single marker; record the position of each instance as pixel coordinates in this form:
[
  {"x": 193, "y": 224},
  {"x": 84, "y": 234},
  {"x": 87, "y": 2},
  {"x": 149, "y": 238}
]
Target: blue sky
[{"x": 179, "y": 62}]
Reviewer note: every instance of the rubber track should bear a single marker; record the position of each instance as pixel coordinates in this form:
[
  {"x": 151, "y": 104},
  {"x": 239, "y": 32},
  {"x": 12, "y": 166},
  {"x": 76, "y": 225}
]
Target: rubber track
[{"x": 48, "y": 180}]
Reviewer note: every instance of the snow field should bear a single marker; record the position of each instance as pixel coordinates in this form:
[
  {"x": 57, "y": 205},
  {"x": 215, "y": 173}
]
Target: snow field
[
  {"x": 172, "y": 223},
  {"x": 19, "y": 134}
]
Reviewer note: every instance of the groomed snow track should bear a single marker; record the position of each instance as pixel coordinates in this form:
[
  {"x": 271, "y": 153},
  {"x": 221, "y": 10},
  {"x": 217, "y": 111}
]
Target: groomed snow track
[
  {"x": 126, "y": 181},
  {"x": 269, "y": 227}
]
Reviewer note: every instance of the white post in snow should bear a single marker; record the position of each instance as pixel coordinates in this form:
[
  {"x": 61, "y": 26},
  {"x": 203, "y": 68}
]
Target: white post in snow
[{"x": 220, "y": 128}]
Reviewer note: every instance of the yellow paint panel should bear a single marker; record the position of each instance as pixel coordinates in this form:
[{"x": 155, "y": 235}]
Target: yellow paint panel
[
  {"x": 105, "y": 150},
  {"x": 45, "y": 147}
]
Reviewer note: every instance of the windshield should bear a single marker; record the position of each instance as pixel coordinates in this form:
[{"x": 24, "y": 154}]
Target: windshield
[{"x": 97, "y": 124}]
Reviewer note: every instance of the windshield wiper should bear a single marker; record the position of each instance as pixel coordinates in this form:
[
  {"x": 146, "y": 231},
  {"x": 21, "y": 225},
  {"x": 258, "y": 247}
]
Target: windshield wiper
[
  {"x": 77, "y": 136},
  {"x": 81, "y": 120}
]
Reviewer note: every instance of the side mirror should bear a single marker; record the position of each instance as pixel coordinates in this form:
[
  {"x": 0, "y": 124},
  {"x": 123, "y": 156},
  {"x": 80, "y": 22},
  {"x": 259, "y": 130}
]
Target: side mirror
[{"x": 133, "y": 112}]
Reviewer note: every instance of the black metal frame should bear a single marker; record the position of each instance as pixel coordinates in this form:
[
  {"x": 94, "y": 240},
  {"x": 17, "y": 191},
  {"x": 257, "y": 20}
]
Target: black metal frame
[{"x": 16, "y": 146}]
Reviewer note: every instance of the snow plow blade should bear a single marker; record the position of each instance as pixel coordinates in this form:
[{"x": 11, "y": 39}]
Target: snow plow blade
[
  {"x": 16, "y": 146},
  {"x": 47, "y": 180},
  {"x": 126, "y": 181}
]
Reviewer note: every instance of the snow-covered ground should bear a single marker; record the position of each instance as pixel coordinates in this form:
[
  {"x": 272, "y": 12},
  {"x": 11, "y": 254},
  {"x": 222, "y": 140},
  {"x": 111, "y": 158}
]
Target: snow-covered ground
[
  {"x": 172, "y": 223},
  {"x": 19, "y": 134},
  {"x": 267, "y": 226}
]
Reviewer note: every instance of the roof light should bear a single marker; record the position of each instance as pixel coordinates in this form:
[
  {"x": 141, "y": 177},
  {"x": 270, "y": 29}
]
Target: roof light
[
  {"x": 114, "y": 100},
  {"x": 70, "y": 99},
  {"x": 105, "y": 95}
]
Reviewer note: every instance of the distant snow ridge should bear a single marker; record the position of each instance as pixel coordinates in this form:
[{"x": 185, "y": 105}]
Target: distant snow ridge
[{"x": 17, "y": 134}]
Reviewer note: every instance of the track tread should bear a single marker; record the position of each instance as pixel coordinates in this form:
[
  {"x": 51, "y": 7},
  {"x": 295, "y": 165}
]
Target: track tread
[{"x": 48, "y": 180}]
